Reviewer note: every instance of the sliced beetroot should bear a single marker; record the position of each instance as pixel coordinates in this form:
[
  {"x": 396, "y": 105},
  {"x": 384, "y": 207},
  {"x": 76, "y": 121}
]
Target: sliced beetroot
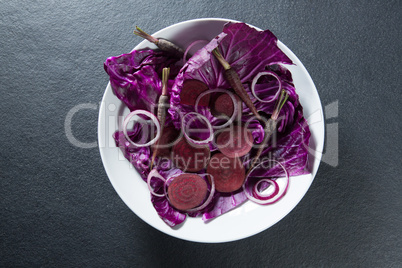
[
  {"x": 191, "y": 90},
  {"x": 187, "y": 191},
  {"x": 229, "y": 173},
  {"x": 165, "y": 143},
  {"x": 235, "y": 141},
  {"x": 189, "y": 157},
  {"x": 223, "y": 104}
]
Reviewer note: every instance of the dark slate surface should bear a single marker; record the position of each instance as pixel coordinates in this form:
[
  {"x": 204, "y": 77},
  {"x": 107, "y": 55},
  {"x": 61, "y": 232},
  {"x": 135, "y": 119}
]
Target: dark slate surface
[{"x": 57, "y": 205}]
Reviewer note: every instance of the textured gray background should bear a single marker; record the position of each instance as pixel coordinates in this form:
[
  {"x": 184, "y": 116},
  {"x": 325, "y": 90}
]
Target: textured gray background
[{"x": 57, "y": 205}]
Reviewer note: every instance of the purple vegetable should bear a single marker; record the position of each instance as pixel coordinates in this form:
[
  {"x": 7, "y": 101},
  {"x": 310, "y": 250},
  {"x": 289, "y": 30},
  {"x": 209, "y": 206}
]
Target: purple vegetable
[
  {"x": 228, "y": 173},
  {"x": 162, "y": 106},
  {"x": 234, "y": 81},
  {"x": 247, "y": 56},
  {"x": 163, "y": 44},
  {"x": 139, "y": 157},
  {"x": 166, "y": 212},
  {"x": 187, "y": 191},
  {"x": 290, "y": 150},
  {"x": 266, "y": 88},
  {"x": 135, "y": 79},
  {"x": 191, "y": 90},
  {"x": 269, "y": 129}
]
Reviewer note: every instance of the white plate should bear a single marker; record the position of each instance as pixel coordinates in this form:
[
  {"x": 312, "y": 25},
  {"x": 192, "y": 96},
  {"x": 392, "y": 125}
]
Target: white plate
[{"x": 244, "y": 221}]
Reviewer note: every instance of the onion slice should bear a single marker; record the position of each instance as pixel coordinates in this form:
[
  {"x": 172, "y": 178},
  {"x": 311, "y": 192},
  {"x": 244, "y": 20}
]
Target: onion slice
[
  {"x": 231, "y": 95},
  {"x": 185, "y": 126},
  {"x": 152, "y": 174},
  {"x": 152, "y": 117},
  {"x": 254, "y": 82},
  {"x": 191, "y": 45},
  {"x": 265, "y": 199},
  {"x": 261, "y": 195}
]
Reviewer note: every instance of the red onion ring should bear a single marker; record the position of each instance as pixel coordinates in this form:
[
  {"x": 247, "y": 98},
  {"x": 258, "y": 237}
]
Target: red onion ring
[
  {"x": 154, "y": 173},
  {"x": 152, "y": 117},
  {"x": 231, "y": 95},
  {"x": 190, "y": 46},
  {"x": 261, "y": 195},
  {"x": 262, "y": 199},
  {"x": 254, "y": 82},
  {"x": 184, "y": 126},
  {"x": 206, "y": 202}
]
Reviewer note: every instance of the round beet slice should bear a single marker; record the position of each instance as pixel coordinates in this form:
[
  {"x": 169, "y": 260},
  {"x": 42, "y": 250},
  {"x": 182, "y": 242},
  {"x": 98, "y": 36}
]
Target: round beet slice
[
  {"x": 229, "y": 173},
  {"x": 190, "y": 157},
  {"x": 236, "y": 141},
  {"x": 223, "y": 104},
  {"x": 166, "y": 141},
  {"x": 191, "y": 90},
  {"x": 187, "y": 191}
]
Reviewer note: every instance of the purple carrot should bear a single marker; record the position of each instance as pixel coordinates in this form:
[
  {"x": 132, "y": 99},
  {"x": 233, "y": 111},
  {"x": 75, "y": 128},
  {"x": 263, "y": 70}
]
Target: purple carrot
[
  {"x": 234, "y": 80},
  {"x": 270, "y": 127},
  {"x": 162, "y": 104},
  {"x": 163, "y": 44}
]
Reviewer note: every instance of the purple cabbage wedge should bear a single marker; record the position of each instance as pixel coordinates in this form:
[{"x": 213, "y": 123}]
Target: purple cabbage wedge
[{"x": 135, "y": 80}]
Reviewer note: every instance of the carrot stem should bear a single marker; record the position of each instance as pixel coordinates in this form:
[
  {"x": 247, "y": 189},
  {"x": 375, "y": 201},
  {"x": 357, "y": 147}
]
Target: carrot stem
[
  {"x": 165, "y": 77},
  {"x": 144, "y": 35},
  {"x": 220, "y": 58},
  {"x": 279, "y": 104}
]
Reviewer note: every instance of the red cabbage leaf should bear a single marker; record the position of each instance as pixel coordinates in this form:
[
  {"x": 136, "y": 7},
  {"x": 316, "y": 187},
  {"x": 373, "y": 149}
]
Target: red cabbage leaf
[{"x": 135, "y": 77}]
